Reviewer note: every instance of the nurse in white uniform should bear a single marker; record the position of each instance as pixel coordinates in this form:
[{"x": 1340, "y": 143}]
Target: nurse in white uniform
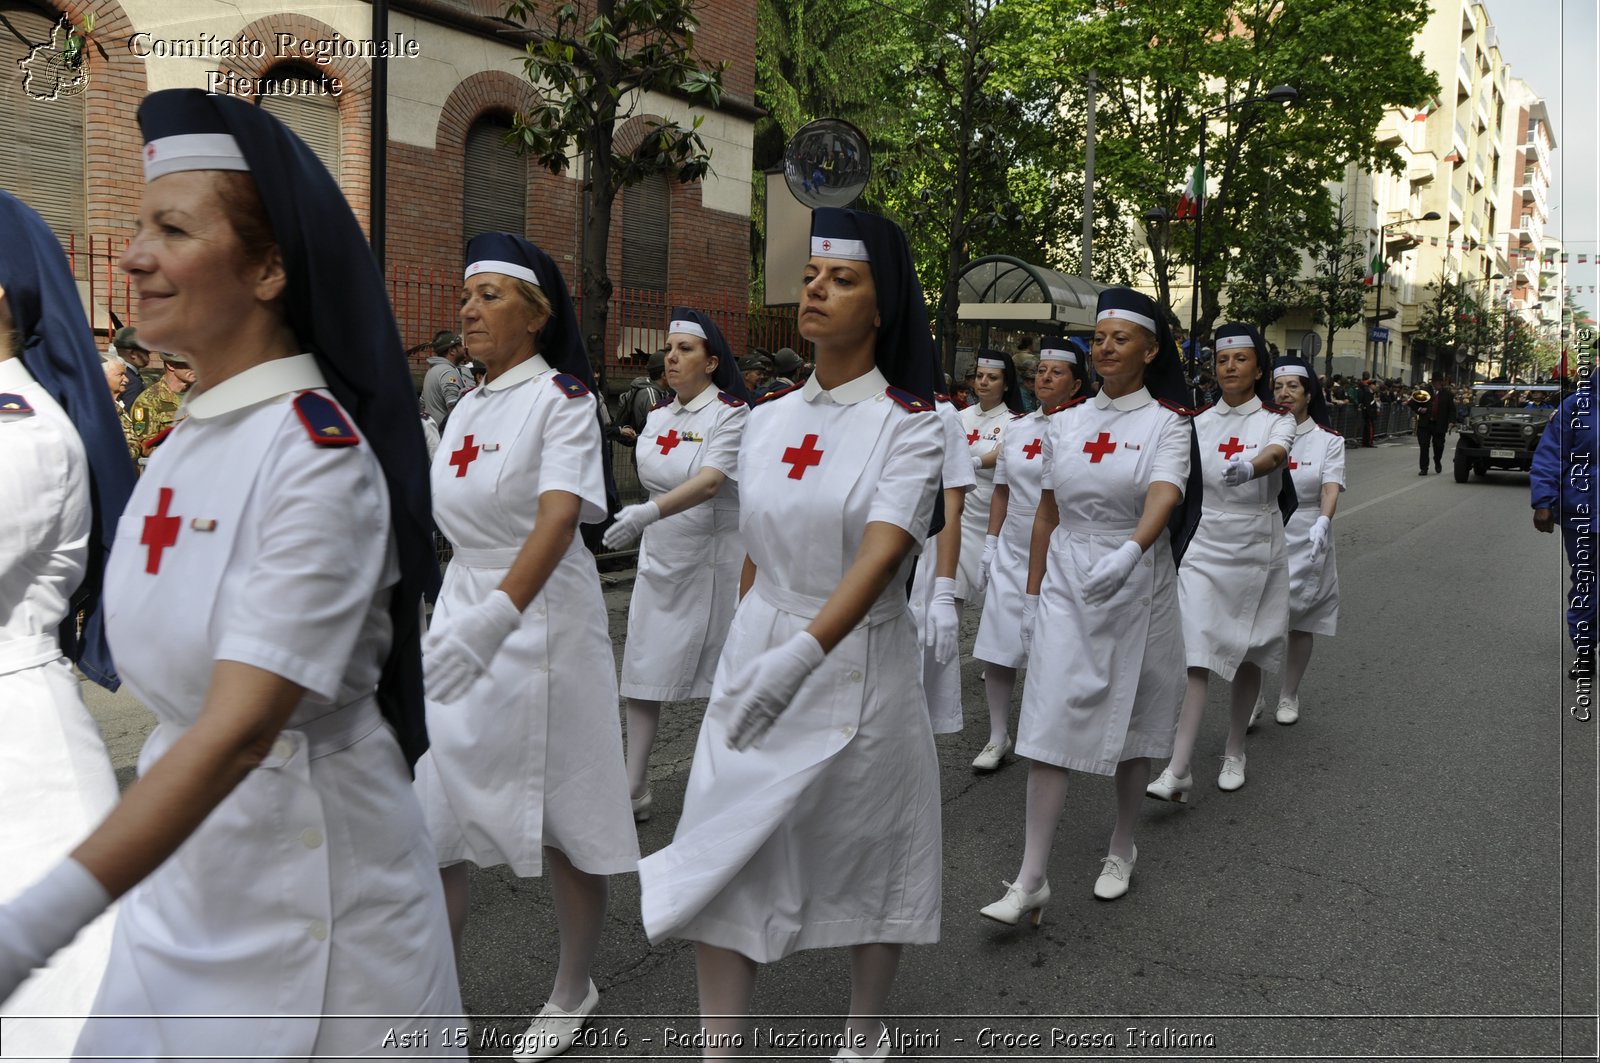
[
  {"x": 688, "y": 572},
  {"x": 66, "y": 476},
  {"x": 525, "y": 767},
  {"x": 278, "y": 891},
  {"x": 1234, "y": 583},
  {"x": 1317, "y": 469},
  {"x": 933, "y": 589},
  {"x": 999, "y": 399},
  {"x": 1102, "y": 697},
  {"x": 1003, "y": 569},
  {"x": 812, "y": 813}
]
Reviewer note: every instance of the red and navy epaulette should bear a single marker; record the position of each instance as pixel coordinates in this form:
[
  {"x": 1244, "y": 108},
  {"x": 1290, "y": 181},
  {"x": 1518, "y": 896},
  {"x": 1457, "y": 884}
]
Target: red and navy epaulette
[
  {"x": 1069, "y": 404},
  {"x": 730, "y": 400},
  {"x": 941, "y": 398},
  {"x": 570, "y": 386},
  {"x": 10, "y": 403},
  {"x": 1184, "y": 411},
  {"x": 1331, "y": 431},
  {"x": 1272, "y": 407},
  {"x": 769, "y": 396},
  {"x": 914, "y": 403},
  {"x": 325, "y": 422}
]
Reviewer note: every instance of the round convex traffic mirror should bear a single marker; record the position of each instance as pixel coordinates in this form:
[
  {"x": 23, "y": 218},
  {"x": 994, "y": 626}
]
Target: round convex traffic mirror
[{"x": 827, "y": 163}]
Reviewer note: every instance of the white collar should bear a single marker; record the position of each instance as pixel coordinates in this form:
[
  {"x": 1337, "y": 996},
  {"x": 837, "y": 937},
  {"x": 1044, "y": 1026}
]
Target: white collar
[
  {"x": 698, "y": 403},
  {"x": 1244, "y": 409},
  {"x": 1000, "y": 407},
  {"x": 1133, "y": 400},
  {"x": 1307, "y": 425},
  {"x": 13, "y": 374},
  {"x": 533, "y": 367},
  {"x": 863, "y": 387},
  {"x": 259, "y": 383}
]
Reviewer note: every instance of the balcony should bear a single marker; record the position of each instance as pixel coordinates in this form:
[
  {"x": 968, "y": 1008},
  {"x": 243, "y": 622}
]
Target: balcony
[
  {"x": 1422, "y": 167},
  {"x": 1478, "y": 169},
  {"x": 1464, "y": 71},
  {"x": 1391, "y": 129},
  {"x": 1460, "y": 141}
]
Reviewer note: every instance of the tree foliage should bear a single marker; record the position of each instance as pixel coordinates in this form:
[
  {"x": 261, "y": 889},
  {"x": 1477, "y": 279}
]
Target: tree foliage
[
  {"x": 1338, "y": 294},
  {"x": 592, "y": 63}
]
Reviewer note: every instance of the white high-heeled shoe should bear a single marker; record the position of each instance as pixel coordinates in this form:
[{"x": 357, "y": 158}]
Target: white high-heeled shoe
[
  {"x": 1115, "y": 876},
  {"x": 1168, "y": 787},
  {"x": 1017, "y": 903},
  {"x": 1232, "y": 775},
  {"x": 1288, "y": 709}
]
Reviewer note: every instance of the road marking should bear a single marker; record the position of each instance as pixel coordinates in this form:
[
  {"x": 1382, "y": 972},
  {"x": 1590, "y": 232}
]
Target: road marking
[{"x": 1353, "y": 510}]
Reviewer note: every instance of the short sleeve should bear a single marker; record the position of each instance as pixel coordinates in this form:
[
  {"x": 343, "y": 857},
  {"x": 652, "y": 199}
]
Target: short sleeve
[
  {"x": 37, "y": 477},
  {"x": 1281, "y": 432},
  {"x": 1047, "y": 451},
  {"x": 1171, "y": 463},
  {"x": 722, "y": 449},
  {"x": 569, "y": 449},
  {"x": 1333, "y": 464},
  {"x": 909, "y": 481},
  {"x": 316, "y": 566},
  {"x": 957, "y": 460}
]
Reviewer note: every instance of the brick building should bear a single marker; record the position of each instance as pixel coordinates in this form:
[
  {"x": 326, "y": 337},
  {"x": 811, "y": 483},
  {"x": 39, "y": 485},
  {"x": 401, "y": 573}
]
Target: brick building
[{"x": 71, "y": 147}]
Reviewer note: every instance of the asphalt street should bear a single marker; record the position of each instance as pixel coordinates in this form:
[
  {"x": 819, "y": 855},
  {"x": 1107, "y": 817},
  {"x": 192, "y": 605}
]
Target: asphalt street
[{"x": 1410, "y": 870}]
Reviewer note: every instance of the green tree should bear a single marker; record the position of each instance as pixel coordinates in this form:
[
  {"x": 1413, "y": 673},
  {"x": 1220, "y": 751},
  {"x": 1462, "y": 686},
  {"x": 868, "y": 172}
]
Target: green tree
[
  {"x": 592, "y": 63},
  {"x": 1337, "y": 289}
]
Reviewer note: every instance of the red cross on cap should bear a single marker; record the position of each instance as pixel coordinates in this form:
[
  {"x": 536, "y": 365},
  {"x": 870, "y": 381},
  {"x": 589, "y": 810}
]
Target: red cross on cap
[
  {"x": 827, "y": 245},
  {"x": 149, "y": 151}
]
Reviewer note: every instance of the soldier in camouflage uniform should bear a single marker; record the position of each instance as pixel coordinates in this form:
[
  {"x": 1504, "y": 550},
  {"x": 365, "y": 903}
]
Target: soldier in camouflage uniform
[{"x": 156, "y": 408}]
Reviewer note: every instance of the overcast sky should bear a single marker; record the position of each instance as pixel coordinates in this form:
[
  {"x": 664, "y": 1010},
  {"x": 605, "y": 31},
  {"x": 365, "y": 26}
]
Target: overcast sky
[{"x": 1553, "y": 46}]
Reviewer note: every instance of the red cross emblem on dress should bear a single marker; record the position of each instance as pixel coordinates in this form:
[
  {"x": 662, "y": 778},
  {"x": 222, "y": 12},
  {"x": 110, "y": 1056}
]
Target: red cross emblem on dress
[
  {"x": 465, "y": 456},
  {"x": 1031, "y": 451},
  {"x": 972, "y": 437},
  {"x": 803, "y": 457},
  {"x": 160, "y": 531},
  {"x": 1098, "y": 447},
  {"x": 668, "y": 441},
  {"x": 1230, "y": 448}
]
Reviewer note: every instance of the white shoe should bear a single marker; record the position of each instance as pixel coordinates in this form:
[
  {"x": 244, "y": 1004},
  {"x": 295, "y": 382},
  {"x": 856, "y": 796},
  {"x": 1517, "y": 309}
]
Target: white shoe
[
  {"x": 1168, "y": 787},
  {"x": 1232, "y": 775},
  {"x": 1255, "y": 713},
  {"x": 1288, "y": 709},
  {"x": 641, "y": 806},
  {"x": 1115, "y": 875},
  {"x": 992, "y": 756},
  {"x": 1015, "y": 904},
  {"x": 553, "y": 1031}
]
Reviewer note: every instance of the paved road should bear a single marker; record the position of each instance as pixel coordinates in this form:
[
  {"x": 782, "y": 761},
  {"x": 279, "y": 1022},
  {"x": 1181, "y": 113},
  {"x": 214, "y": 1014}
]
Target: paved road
[{"x": 1411, "y": 869}]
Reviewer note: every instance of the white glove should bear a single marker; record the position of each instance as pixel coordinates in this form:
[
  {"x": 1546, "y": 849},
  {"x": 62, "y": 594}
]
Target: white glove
[
  {"x": 1319, "y": 536},
  {"x": 944, "y": 626},
  {"x": 1238, "y": 472},
  {"x": 977, "y": 463},
  {"x": 765, "y": 686},
  {"x": 44, "y": 918},
  {"x": 456, "y": 653},
  {"x": 1110, "y": 573},
  {"x": 1030, "y": 609},
  {"x": 991, "y": 543},
  {"x": 631, "y": 523}
]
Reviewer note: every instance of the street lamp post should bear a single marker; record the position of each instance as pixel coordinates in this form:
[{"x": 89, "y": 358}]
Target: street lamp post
[
  {"x": 1281, "y": 94},
  {"x": 1383, "y": 268},
  {"x": 1158, "y": 234}
]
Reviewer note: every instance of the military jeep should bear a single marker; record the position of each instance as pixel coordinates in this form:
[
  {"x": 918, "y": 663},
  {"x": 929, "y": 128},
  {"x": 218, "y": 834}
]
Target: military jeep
[{"x": 1501, "y": 429}]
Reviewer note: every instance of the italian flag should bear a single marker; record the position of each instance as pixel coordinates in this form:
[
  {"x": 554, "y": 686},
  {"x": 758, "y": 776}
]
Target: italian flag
[
  {"x": 1193, "y": 197},
  {"x": 1374, "y": 270}
]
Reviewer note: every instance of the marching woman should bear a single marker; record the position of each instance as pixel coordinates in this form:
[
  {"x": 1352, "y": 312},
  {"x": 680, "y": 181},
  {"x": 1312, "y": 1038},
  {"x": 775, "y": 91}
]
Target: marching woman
[
  {"x": 1003, "y": 572},
  {"x": 933, "y": 589},
  {"x": 276, "y": 874},
  {"x": 997, "y": 398},
  {"x": 1233, "y": 585},
  {"x": 688, "y": 573},
  {"x": 1102, "y": 593},
  {"x": 525, "y": 766},
  {"x": 66, "y": 475},
  {"x": 1317, "y": 469},
  {"x": 811, "y": 818}
]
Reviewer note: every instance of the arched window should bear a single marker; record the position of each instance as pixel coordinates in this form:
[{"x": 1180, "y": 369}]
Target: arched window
[
  {"x": 42, "y": 101},
  {"x": 646, "y": 232},
  {"x": 300, "y": 96},
  {"x": 495, "y": 181}
]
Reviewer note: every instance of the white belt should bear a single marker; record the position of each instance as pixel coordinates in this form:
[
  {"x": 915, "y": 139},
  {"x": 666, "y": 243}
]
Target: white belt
[
  {"x": 1247, "y": 509},
  {"x": 29, "y": 651},
  {"x": 1095, "y": 527},
  {"x": 339, "y": 729},
  {"x": 492, "y": 557},
  {"x": 890, "y": 605}
]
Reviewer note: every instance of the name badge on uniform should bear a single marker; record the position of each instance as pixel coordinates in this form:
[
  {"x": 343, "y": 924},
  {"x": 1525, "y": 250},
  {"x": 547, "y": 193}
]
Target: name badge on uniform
[
  {"x": 488, "y": 448},
  {"x": 692, "y": 437},
  {"x": 1132, "y": 446},
  {"x": 203, "y": 524}
]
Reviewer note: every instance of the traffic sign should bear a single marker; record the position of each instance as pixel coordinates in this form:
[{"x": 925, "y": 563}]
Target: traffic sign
[
  {"x": 1311, "y": 345},
  {"x": 1379, "y": 335}
]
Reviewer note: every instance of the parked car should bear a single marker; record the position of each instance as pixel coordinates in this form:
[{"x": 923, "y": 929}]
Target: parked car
[{"x": 1502, "y": 427}]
